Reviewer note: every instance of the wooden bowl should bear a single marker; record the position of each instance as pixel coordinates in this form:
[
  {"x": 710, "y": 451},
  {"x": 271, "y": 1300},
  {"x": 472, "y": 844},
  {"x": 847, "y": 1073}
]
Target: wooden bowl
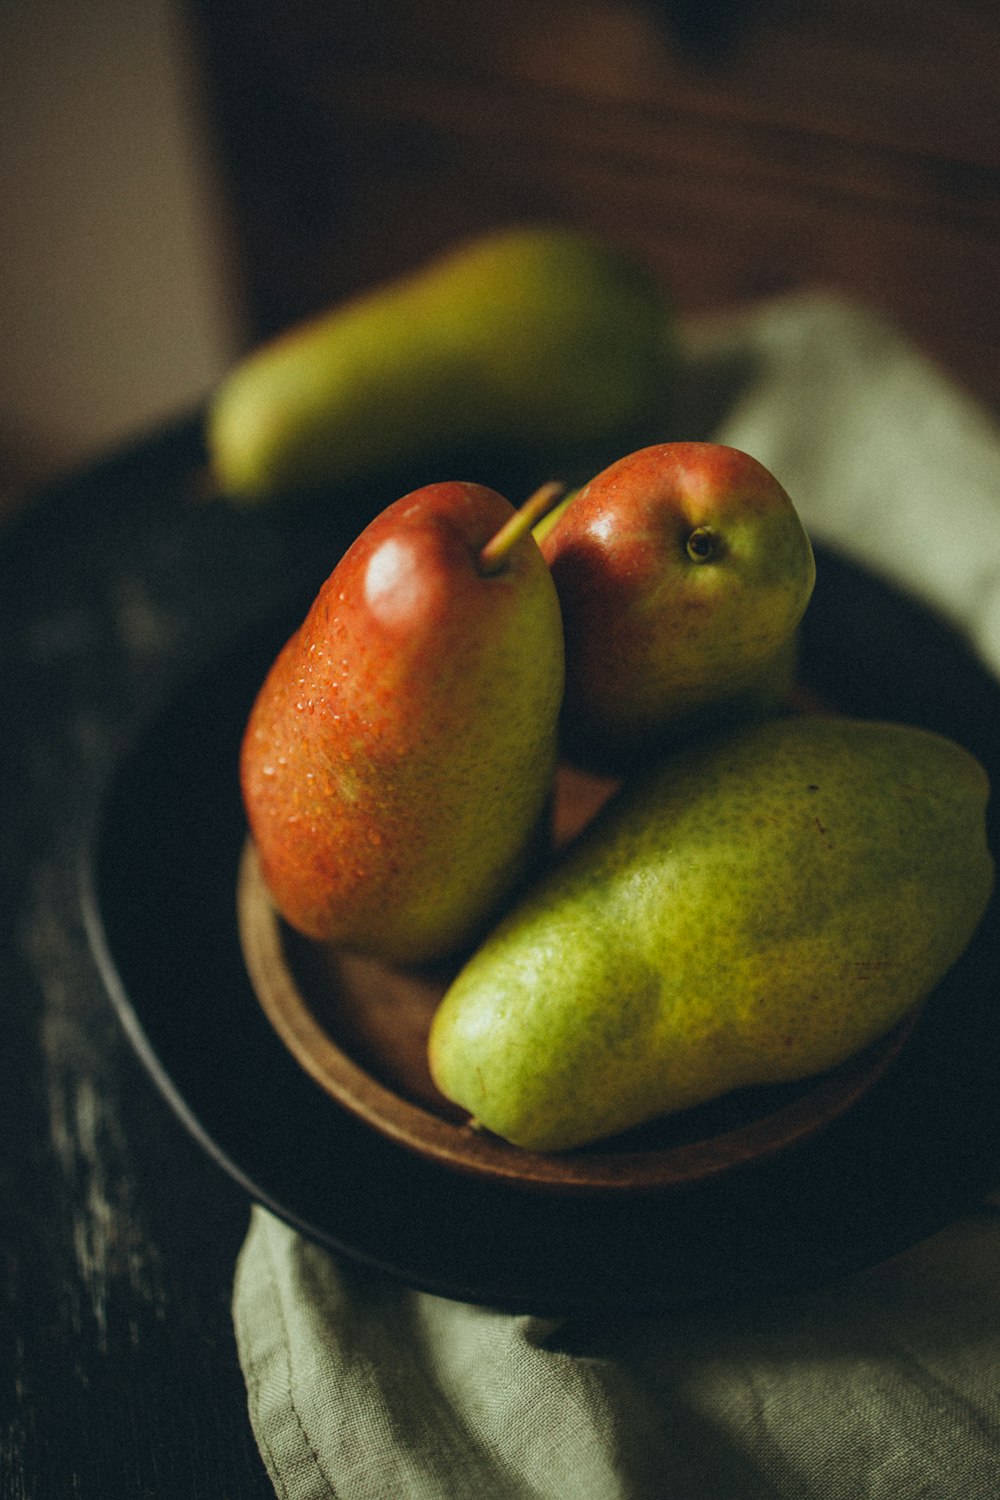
[{"x": 359, "y": 1029}]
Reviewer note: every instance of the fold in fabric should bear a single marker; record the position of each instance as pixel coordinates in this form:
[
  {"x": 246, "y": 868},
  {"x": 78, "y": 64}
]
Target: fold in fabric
[
  {"x": 885, "y": 1387},
  {"x": 362, "y": 1388}
]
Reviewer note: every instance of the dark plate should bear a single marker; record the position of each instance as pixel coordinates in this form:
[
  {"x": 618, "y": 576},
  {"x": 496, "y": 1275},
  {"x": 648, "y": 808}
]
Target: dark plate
[{"x": 918, "y": 1149}]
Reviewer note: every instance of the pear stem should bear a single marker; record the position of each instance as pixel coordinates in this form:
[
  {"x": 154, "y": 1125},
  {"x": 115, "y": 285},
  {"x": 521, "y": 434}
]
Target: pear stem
[{"x": 496, "y": 551}]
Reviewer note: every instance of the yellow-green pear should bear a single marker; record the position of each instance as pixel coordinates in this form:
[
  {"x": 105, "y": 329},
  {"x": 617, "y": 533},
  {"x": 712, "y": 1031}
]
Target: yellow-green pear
[
  {"x": 753, "y": 910},
  {"x": 533, "y": 338}
]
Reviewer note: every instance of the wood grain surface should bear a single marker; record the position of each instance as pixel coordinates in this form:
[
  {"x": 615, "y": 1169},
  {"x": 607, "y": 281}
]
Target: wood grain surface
[
  {"x": 118, "y": 1237},
  {"x": 742, "y": 149}
]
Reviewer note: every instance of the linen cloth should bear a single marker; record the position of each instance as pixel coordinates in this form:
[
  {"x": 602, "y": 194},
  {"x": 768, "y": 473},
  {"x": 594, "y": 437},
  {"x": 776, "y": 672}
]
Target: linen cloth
[{"x": 883, "y": 1386}]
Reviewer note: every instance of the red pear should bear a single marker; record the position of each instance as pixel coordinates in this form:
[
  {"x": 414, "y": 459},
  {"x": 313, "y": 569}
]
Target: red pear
[
  {"x": 682, "y": 571},
  {"x": 399, "y": 759}
]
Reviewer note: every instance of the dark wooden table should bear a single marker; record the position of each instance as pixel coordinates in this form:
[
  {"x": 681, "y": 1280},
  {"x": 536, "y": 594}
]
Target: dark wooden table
[
  {"x": 118, "y": 1235},
  {"x": 744, "y": 148}
]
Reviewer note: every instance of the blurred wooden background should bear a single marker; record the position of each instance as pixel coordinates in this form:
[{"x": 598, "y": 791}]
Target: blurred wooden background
[{"x": 742, "y": 149}]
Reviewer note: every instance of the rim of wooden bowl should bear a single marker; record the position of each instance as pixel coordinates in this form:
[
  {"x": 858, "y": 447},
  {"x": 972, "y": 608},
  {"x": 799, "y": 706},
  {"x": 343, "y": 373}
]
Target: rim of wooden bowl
[{"x": 420, "y": 1127}]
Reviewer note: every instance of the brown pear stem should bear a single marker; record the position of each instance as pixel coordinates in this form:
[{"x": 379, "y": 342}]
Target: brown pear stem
[{"x": 494, "y": 555}]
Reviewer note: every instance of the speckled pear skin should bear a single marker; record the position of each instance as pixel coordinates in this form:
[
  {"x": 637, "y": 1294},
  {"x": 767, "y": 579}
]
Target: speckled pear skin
[
  {"x": 755, "y": 910},
  {"x": 526, "y": 338},
  {"x": 398, "y": 761},
  {"x": 683, "y": 570}
]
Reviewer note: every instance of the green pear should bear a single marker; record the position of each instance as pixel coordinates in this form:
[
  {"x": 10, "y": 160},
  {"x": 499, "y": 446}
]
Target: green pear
[
  {"x": 683, "y": 571},
  {"x": 524, "y": 339},
  {"x": 399, "y": 759},
  {"x": 753, "y": 910}
]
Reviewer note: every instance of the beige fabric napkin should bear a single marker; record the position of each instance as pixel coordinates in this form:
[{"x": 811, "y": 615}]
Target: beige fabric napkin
[{"x": 885, "y": 1386}]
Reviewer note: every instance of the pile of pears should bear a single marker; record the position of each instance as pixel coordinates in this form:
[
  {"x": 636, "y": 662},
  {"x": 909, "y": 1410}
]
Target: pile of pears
[{"x": 764, "y": 891}]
